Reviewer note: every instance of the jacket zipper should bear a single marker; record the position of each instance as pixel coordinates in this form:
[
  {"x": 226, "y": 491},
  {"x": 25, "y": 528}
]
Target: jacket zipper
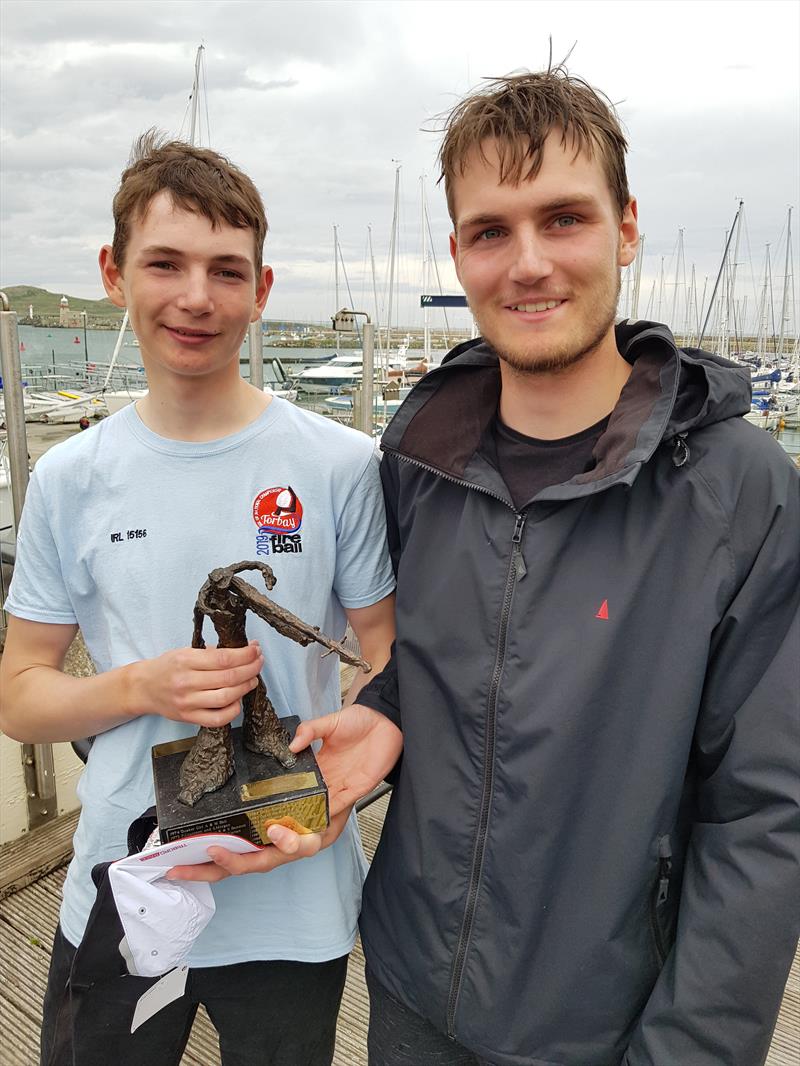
[
  {"x": 447, "y": 477},
  {"x": 516, "y": 572},
  {"x": 660, "y": 896}
]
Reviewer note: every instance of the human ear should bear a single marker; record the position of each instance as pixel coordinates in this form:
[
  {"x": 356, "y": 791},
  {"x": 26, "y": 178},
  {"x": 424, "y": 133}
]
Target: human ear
[
  {"x": 111, "y": 276},
  {"x": 628, "y": 234},
  {"x": 265, "y": 280},
  {"x": 454, "y": 253}
]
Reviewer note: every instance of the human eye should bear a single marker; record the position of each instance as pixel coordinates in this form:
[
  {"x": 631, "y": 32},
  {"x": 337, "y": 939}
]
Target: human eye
[
  {"x": 162, "y": 264},
  {"x": 565, "y": 221},
  {"x": 230, "y": 274},
  {"x": 490, "y": 234}
]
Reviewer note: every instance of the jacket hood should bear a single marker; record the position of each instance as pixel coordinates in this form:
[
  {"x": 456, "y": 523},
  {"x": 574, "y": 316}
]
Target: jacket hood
[{"x": 670, "y": 392}]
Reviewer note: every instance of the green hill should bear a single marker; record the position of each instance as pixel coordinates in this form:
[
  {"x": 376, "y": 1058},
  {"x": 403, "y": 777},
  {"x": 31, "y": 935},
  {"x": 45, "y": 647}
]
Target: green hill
[{"x": 48, "y": 304}]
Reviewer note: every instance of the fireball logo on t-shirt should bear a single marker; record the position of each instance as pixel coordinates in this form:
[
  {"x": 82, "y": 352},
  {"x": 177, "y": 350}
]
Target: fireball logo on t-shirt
[{"x": 278, "y": 513}]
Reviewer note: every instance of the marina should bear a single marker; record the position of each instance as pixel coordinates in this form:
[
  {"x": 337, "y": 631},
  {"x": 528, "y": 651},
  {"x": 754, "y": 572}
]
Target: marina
[
  {"x": 58, "y": 388},
  {"x": 574, "y": 900}
]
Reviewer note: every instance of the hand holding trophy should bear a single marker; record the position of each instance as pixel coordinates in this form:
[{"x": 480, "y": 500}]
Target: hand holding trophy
[{"x": 252, "y": 776}]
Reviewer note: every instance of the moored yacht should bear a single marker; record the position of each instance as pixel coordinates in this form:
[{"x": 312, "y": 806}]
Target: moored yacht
[{"x": 344, "y": 369}]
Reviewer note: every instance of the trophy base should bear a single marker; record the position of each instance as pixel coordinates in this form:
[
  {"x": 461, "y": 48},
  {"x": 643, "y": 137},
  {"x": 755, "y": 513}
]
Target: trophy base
[{"x": 259, "y": 793}]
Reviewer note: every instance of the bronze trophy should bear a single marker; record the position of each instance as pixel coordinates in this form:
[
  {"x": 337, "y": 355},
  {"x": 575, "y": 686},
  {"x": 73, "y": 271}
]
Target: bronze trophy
[{"x": 242, "y": 780}]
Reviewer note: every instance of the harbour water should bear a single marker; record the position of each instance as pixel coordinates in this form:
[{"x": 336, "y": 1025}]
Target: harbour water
[
  {"x": 40, "y": 346},
  {"x": 789, "y": 440}
]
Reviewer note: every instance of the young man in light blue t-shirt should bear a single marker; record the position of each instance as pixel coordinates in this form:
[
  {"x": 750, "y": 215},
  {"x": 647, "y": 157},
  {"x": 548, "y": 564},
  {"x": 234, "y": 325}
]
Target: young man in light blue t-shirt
[{"x": 122, "y": 525}]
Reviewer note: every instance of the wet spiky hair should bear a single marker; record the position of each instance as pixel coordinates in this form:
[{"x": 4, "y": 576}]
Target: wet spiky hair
[
  {"x": 197, "y": 179},
  {"x": 518, "y": 112}
]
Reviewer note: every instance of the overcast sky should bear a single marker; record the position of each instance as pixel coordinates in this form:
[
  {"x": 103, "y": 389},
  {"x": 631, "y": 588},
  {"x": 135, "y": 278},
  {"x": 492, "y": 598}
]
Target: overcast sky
[{"x": 315, "y": 100}]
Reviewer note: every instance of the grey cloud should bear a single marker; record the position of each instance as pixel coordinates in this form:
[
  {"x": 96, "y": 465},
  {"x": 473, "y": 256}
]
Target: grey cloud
[
  {"x": 677, "y": 168},
  {"x": 314, "y": 101},
  {"x": 266, "y": 86},
  {"x": 231, "y": 26}
]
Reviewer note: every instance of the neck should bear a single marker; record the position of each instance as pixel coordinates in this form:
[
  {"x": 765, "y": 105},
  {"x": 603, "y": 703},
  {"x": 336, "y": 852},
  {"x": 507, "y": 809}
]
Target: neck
[
  {"x": 558, "y": 404},
  {"x": 200, "y": 410}
]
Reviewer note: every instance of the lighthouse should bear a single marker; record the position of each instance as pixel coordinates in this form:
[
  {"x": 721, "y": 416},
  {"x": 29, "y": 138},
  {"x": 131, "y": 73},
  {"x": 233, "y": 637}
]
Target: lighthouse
[{"x": 70, "y": 319}]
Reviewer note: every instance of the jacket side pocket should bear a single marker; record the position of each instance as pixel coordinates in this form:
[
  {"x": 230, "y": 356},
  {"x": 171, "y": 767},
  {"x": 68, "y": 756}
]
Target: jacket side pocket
[{"x": 659, "y": 897}]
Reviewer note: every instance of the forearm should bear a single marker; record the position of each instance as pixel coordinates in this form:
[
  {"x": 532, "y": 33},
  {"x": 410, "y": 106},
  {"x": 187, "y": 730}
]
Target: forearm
[
  {"x": 361, "y": 679},
  {"x": 41, "y": 704},
  {"x": 374, "y": 628}
]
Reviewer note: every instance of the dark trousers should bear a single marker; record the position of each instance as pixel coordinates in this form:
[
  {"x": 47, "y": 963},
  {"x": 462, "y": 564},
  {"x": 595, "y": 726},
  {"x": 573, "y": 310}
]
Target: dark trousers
[
  {"x": 266, "y": 1013},
  {"x": 400, "y": 1037}
]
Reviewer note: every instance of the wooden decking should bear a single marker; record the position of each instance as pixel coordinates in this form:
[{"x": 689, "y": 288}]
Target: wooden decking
[{"x": 29, "y": 902}]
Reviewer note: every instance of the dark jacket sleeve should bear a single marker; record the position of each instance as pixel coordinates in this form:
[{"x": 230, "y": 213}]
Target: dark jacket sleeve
[
  {"x": 382, "y": 693},
  {"x": 718, "y": 995}
]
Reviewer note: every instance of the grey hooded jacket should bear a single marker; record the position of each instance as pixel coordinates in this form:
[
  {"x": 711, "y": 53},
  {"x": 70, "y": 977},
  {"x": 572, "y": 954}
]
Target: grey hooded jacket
[{"x": 591, "y": 852}]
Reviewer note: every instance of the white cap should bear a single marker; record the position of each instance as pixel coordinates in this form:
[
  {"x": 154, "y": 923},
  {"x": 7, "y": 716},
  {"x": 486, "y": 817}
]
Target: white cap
[{"x": 161, "y": 918}]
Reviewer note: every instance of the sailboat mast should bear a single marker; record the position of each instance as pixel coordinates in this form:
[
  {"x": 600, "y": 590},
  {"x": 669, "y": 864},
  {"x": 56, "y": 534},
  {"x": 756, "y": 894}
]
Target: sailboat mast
[
  {"x": 638, "y": 279},
  {"x": 784, "y": 301},
  {"x": 649, "y": 312},
  {"x": 123, "y": 327},
  {"x": 336, "y": 278},
  {"x": 723, "y": 312},
  {"x": 691, "y": 304},
  {"x": 699, "y": 310},
  {"x": 678, "y": 260},
  {"x": 720, "y": 273},
  {"x": 374, "y": 290},
  {"x": 732, "y": 282},
  {"x": 392, "y": 257},
  {"x": 426, "y": 331},
  {"x": 336, "y": 266},
  {"x": 195, "y": 95},
  {"x": 763, "y": 317},
  {"x": 660, "y": 291}
]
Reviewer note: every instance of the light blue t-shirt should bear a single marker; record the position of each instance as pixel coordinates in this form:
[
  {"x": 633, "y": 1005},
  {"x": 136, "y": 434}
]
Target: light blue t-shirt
[{"x": 120, "y": 529}]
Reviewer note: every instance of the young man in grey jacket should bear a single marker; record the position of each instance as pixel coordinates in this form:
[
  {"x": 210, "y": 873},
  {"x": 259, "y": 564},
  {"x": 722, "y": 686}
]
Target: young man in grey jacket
[{"x": 591, "y": 853}]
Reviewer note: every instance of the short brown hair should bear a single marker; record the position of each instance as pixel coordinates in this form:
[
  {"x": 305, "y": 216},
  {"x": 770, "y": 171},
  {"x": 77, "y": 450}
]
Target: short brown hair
[
  {"x": 519, "y": 111},
  {"x": 197, "y": 179}
]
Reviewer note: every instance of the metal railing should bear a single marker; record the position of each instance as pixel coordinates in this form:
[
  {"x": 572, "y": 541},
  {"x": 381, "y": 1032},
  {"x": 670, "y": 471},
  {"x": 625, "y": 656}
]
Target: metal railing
[
  {"x": 90, "y": 377},
  {"x": 37, "y": 759}
]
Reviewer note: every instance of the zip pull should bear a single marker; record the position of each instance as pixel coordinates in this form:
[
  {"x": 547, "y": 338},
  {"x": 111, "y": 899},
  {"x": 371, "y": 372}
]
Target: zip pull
[
  {"x": 664, "y": 870},
  {"x": 663, "y": 887},
  {"x": 680, "y": 454},
  {"x": 516, "y": 541}
]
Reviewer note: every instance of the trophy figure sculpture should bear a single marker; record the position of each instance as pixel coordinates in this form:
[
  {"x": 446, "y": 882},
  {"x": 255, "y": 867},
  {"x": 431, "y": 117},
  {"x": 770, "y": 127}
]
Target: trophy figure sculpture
[{"x": 226, "y": 598}]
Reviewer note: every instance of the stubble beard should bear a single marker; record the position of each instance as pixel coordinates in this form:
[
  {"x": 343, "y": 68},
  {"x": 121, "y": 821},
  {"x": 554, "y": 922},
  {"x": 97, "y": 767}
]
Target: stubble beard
[{"x": 573, "y": 350}]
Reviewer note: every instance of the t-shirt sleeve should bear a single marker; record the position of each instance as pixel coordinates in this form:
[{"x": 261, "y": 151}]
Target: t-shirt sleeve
[
  {"x": 38, "y": 592},
  {"x": 363, "y": 569}
]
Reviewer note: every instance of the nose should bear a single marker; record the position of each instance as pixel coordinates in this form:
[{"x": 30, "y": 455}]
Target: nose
[
  {"x": 195, "y": 294},
  {"x": 530, "y": 261}
]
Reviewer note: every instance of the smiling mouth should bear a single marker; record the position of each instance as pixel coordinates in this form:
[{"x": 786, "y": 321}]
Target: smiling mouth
[
  {"x": 184, "y": 332},
  {"x": 541, "y": 305}
]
